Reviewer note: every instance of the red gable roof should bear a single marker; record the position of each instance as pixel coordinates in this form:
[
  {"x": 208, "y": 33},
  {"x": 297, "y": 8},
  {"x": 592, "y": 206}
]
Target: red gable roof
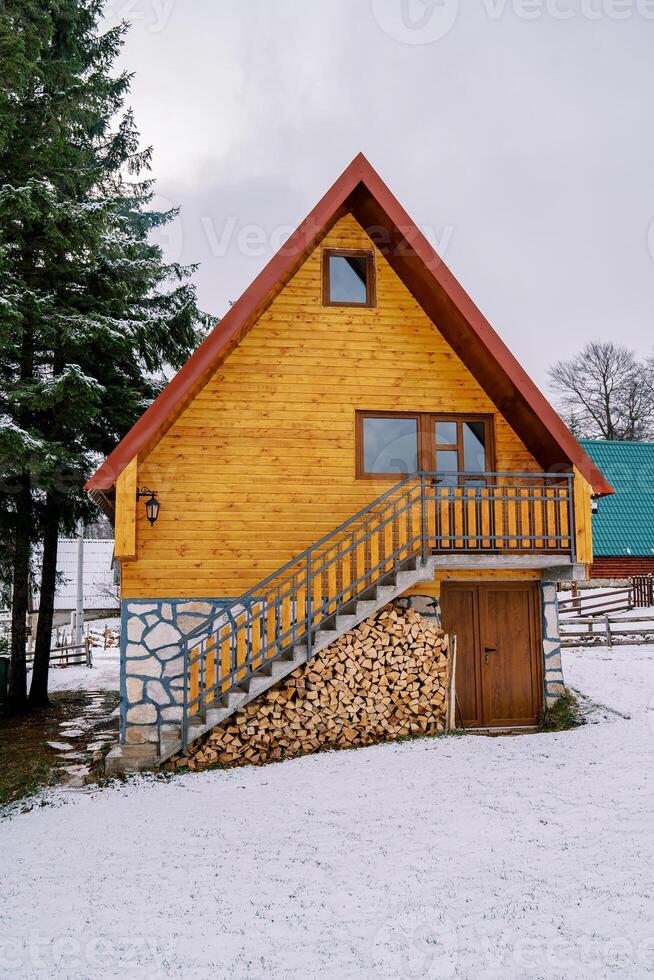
[{"x": 361, "y": 191}]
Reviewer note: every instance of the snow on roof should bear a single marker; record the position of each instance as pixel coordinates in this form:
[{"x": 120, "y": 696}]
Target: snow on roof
[{"x": 100, "y": 591}]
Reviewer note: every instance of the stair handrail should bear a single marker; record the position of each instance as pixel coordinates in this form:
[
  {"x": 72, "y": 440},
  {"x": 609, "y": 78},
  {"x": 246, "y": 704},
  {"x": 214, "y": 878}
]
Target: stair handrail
[
  {"x": 229, "y": 614},
  {"x": 200, "y": 630}
]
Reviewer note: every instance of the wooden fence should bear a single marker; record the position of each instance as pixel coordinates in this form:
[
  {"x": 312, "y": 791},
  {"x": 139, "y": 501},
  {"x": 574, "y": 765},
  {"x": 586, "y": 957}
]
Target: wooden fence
[
  {"x": 639, "y": 594},
  {"x": 643, "y": 590},
  {"x": 596, "y": 602},
  {"x": 70, "y": 655},
  {"x": 610, "y": 631}
]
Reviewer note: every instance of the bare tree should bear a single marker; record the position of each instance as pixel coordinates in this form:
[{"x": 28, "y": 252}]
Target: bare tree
[{"x": 606, "y": 393}]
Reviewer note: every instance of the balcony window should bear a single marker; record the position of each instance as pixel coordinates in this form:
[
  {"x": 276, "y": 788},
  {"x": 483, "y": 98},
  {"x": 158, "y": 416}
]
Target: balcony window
[
  {"x": 460, "y": 447},
  {"x": 389, "y": 445},
  {"x": 394, "y": 444}
]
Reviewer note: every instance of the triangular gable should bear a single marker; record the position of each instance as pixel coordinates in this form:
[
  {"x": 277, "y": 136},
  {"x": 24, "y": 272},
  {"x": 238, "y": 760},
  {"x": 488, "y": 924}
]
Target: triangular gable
[{"x": 361, "y": 191}]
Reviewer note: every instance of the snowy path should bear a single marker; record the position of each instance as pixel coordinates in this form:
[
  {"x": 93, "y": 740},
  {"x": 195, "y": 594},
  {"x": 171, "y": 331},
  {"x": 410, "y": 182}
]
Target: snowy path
[{"x": 470, "y": 857}]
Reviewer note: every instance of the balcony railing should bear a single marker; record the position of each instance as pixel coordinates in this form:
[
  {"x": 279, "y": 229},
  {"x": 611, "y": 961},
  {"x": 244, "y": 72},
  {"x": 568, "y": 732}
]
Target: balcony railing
[
  {"x": 498, "y": 512},
  {"x": 423, "y": 515}
]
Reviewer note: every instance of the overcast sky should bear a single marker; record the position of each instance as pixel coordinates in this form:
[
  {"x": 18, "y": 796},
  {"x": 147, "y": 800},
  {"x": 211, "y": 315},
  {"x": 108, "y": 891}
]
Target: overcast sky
[{"x": 517, "y": 133}]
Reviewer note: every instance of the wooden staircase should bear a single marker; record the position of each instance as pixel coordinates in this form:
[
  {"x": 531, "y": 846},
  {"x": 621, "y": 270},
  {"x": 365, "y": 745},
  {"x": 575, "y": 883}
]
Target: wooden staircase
[
  {"x": 376, "y": 556},
  {"x": 289, "y": 659}
]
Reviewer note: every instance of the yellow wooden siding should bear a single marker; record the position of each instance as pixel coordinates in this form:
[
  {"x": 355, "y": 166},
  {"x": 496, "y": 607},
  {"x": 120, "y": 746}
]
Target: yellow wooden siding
[
  {"x": 262, "y": 462},
  {"x": 126, "y": 487},
  {"x": 583, "y": 519}
]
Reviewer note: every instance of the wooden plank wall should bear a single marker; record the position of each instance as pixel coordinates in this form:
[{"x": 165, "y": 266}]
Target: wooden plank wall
[
  {"x": 583, "y": 519},
  {"x": 262, "y": 462},
  {"x": 126, "y": 487}
]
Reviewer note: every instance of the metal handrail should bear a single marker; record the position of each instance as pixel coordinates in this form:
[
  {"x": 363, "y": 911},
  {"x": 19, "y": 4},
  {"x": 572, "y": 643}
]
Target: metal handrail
[
  {"x": 286, "y": 607},
  {"x": 199, "y": 630}
]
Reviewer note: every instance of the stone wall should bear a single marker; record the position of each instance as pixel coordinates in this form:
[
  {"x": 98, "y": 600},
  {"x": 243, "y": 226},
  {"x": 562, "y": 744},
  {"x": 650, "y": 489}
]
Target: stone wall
[
  {"x": 552, "y": 666},
  {"x": 151, "y": 680},
  {"x": 385, "y": 679}
]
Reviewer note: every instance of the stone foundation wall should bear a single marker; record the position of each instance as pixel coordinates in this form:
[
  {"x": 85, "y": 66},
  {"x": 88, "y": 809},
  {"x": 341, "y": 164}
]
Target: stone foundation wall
[
  {"x": 152, "y": 663},
  {"x": 385, "y": 679},
  {"x": 151, "y": 675},
  {"x": 552, "y": 666}
]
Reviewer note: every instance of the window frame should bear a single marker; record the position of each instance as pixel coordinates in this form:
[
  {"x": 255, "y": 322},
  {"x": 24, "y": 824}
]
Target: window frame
[
  {"x": 488, "y": 421},
  {"x": 427, "y": 445},
  {"x": 371, "y": 285}
]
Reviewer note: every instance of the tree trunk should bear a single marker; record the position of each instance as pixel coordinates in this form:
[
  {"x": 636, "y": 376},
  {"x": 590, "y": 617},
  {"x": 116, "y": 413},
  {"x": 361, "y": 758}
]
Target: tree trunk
[
  {"x": 39, "y": 687},
  {"x": 17, "y": 701}
]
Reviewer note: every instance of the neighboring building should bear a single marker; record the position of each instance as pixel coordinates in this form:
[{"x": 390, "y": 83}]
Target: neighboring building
[
  {"x": 353, "y": 378},
  {"x": 623, "y": 525},
  {"x": 100, "y": 582}
]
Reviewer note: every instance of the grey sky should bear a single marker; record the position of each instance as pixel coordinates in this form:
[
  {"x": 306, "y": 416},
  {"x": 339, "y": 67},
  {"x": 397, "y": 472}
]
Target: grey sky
[{"x": 517, "y": 133}]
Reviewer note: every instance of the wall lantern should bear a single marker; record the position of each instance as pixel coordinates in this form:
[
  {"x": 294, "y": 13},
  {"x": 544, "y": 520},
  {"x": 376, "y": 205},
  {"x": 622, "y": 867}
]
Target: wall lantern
[
  {"x": 152, "y": 504},
  {"x": 594, "y": 506}
]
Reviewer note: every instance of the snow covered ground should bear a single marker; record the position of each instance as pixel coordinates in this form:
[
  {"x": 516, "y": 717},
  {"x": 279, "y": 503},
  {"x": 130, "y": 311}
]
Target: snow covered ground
[
  {"x": 466, "y": 856},
  {"x": 105, "y": 673},
  {"x": 103, "y": 676}
]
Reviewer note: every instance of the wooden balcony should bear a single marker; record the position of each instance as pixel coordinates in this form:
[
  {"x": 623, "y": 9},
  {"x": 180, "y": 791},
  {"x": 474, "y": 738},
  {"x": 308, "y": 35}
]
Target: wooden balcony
[{"x": 499, "y": 513}]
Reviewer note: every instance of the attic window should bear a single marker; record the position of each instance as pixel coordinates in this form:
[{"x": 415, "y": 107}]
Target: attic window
[{"x": 348, "y": 277}]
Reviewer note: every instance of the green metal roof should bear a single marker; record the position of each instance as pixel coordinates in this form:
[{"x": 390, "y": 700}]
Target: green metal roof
[{"x": 624, "y": 523}]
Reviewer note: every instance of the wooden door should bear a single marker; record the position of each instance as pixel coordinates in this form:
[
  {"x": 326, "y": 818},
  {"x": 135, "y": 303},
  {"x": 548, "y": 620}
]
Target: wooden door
[
  {"x": 498, "y": 674},
  {"x": 460, "y": 616}
]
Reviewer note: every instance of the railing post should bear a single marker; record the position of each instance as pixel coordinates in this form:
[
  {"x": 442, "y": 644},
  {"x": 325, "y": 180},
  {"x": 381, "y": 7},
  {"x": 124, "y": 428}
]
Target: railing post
[
  {"x": 309, "y": 608},
  {"x": 185, "y": 703},
  {"x": 423, "y": 517},
  {"x": 571, "y": 520}
]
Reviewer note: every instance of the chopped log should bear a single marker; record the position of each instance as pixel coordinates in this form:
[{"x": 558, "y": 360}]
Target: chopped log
[{"x": 386, "y": 679}]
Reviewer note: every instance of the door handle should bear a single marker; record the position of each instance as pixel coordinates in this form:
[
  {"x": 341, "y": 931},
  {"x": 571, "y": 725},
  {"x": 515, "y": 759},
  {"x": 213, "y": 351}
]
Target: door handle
[{"x": 490, "y": 649}]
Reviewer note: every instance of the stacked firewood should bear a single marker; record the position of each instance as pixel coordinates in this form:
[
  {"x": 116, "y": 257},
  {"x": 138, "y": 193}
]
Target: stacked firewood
[{"x": 385, "y": 679}]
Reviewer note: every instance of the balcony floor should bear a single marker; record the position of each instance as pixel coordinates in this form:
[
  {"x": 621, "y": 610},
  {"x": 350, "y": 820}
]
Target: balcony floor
[{"x": 557, "y": 565}]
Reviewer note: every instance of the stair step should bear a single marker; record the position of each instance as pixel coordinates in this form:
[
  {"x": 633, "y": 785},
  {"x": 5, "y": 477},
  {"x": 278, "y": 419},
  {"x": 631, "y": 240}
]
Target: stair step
[
  {"x": 235, "y": 699},
  {"x": 277, "y": 668},
  {"x": 385, "y": 592},
  {"x": 325, "y": 637},
  {"x": 405, "y": 579},
  {"x": 169, "y": 746},
  {"x": 366, "y": 607},
  {"x": 256, "y": 684},
  {"x": 346, "y": 622},
  {"x": 214, "y": 716}
]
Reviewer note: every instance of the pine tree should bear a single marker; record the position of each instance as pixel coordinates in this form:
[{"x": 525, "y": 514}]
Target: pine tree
[{"x": 96, "y": 313}]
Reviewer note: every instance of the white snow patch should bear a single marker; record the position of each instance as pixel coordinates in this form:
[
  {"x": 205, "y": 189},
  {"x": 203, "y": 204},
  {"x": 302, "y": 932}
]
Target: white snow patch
[
  {"x": 466, "y": 856},
  {"x": 103, "y": 676}
]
